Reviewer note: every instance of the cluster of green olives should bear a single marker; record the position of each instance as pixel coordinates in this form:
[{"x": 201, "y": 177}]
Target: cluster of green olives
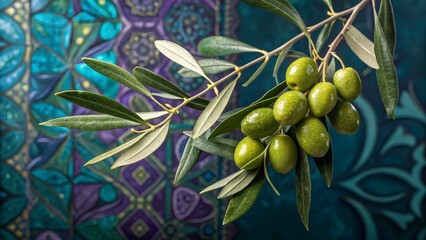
[{"x": 301, "y": 106}]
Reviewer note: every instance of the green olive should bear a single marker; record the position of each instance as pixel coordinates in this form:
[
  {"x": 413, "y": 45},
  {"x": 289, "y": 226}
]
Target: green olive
[
  {"x": 322, "y": 98},
  {"x": 348, "y": 83},
  {"x": 301, "y": 74},
  {"x": 344, "y": 118},
  {"x": 290, "y": 107},
  {"x": 248, "y": 155},
  {"x": 282, "y": 153},
  {"x": 259, "y": 123},
  {"x": 313, "y": 137}
]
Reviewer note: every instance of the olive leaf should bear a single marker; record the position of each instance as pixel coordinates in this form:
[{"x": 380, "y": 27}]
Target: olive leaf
[
  {"x": 361, "y": 46},
  {"x": 139, "y": 104},
  {"x": 233, "y": 121},
  {"x": 387, "y": 78},
  {"x": 114, "y": 151},
  {"x": 222, "y": 182},
  {"x": 242, "y": 202},
  {"x": 187, "y": 161},
  {"x": 303, "y": 188},
  {"x": 216, "y": 46},
  {"x": 273, "y": 92},
  {"x": 144, "y": 147},
  {"x": 323, "y": 35},
  {"x": 217, "y": 148},
  {"x": 117, "y": 74},
  {"x": 210, "y": 66},
  {"x": 180, "y": 56},
  {"x": 156, "y": 81},
  {"x": 229, "y": 113},
  {"x": 280, "y": 60},
  {"x": 238, "y": 183},
  {"x": 226, "y": 141},
  {"x": 257, "y": 73},
  {"x": 167, "y": 96},
  {"x": 325, "y": 164},
  {"x": 212, "y": 112},
  {"x": 98, "y": 122},
  {"x": 328, "y": 3},
  {"x": 265, "y": 172},
  {"x": 101, "y": 104},
  {"x": 296, "y": 54},
  {"x": 282, "y": 8},
  {"x": 331, "y": 69},
  {"x": 387, "y": 21}
]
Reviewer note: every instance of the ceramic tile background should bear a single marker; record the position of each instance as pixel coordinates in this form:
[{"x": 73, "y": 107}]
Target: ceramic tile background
[{"x": 379, "y": 188}]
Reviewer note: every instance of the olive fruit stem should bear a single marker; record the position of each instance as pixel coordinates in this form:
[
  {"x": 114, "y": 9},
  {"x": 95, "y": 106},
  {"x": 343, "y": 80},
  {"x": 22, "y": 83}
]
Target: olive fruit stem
[{"x": 339, "y": 59}]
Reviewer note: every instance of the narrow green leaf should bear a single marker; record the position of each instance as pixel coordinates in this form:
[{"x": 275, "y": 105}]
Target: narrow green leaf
[
  {"x": 328, "y": 3},
  {"x": 167, "y": 96},
  {"x": 90, "y": 122},
  {"x": 222, "y": 182},
  {"x": 361, "y": 46},
  {"x": 265, "y": 172},
  {"x": 296, "y": 54},
  {"x": 210, "y": 66},
  {"x": 114, "y": 151},
  {"x": 228, "y": 114},
  {"x": 303, "y": 188},
  {"x": 234, "y": 120},
  {"x": 139, "y": 104},
  {"x": 156, "y": 81},
  {"x": 257, "y": 73},
  {"x": 226, "y": 141},
  {"x": 254, "y": 161},
  {"x": 144, "y": 147},
  {"x": 280, "y": 60},
  {"x": 98, "y": 122},
  {"x": 325, "y": 164},
  {"x": 273, "y": 92},
  {"x": 282, "y": 8},
  {"x": 387, "y": 78},
  {"x": 331, "y": 69},
  {"x": 180, "y": 56},
  {"x": 212, "y": 112},
  {"x": 241, "y": 202},
  {"x": 214, "y": 147},
  {"x": 215, "y": 46},
  {"x": 387, "y": 21},
  {"x": 101, "y": 104},
  {"x": 187, "y": 161},
  {"x": 323, "y": 35},
  {"x": 117, "y": 74},
  {"x": 238, "y": 183}
]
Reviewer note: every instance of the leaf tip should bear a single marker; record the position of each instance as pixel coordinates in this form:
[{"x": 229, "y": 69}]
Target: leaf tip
[{"x": 115, "y": 165}]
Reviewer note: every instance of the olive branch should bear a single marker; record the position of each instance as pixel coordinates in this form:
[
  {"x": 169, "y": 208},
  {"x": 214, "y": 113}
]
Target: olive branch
[{"x": 244, "y": 185}]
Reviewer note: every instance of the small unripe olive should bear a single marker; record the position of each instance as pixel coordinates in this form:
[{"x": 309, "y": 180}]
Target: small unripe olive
[
  {"x": 344, "y": 118},
  {"x": 322, "y": 98},
  {"x": 313, "y": 137},
  {"x": 348, "y": 83},
  {"x": 259, "y": 123},
  {"x": 282, "y": 153},
  {"x": 301, "y": 74},
  {"x": 290, "y": 107},
  {"x": 247, "y": 155}
]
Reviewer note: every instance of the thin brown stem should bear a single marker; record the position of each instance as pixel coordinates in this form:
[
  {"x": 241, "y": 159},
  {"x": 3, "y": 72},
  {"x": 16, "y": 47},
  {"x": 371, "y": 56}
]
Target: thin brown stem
[{"x": 339, "y": 37}]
